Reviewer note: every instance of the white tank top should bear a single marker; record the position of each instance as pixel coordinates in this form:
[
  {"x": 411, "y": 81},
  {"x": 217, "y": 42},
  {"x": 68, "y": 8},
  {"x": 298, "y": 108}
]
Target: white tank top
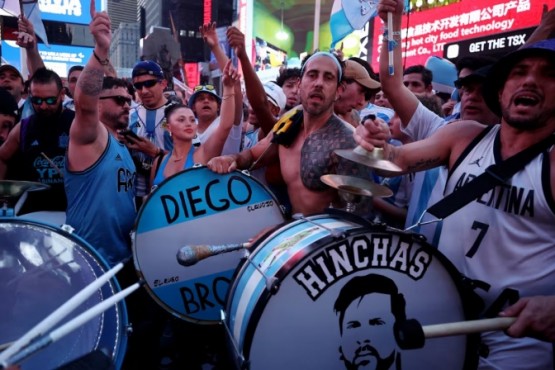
[{"x": 505, "y": 238}]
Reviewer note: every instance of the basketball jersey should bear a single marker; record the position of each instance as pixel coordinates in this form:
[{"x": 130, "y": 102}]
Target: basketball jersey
[
  {"x": 41, "y": 157},
  {"x": 101, "y": 206},
  {"x": 505, "y": 238}
]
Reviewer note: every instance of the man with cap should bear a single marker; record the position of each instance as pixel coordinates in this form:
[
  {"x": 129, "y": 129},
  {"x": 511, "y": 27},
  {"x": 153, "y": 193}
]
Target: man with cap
[
  {"x": 359, "y": 89},
  {"x": 505, "y": 237},
  {"x": 148, "y": 123},
  {"x": 8, "y": 114},
  {"x": 205, "y": 101},
  {"x": 12, "y": 80}
]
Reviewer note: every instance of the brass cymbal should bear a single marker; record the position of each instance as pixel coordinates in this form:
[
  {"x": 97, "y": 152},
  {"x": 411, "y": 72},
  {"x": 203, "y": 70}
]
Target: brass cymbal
[
  {"x": 11, "y": 188},
  {"x": 373, "y": 159},
  {"x": 356, "y": 186}
]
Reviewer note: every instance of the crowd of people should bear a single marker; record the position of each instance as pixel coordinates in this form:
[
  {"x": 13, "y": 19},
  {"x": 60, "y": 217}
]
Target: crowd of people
[{"x": 103, "y": 143}]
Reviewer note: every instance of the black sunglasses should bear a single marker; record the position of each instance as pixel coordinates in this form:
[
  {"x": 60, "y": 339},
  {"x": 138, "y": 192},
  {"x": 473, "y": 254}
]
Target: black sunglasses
[
  {"x": 147, "y": 83},
  {"x": 118, "y": 99},
  {"x": 51, "y": 100}
]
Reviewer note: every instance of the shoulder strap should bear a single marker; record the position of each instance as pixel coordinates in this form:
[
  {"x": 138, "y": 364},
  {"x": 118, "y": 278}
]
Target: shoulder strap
[{"x": 495, "y": 174}]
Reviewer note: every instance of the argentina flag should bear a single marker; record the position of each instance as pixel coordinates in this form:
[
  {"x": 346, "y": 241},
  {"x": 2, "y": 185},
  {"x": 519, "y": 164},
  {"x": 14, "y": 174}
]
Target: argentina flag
[{"x": 349, "y": 15}]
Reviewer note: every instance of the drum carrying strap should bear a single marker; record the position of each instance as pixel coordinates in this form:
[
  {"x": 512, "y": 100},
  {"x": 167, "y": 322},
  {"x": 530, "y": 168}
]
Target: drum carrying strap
[{"x": 495, "y": 174}]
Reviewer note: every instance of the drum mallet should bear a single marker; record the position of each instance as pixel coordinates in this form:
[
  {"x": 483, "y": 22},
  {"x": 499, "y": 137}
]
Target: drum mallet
[
  {"x": 410, "y": 334},
  {"x": 191, "y": 254}
]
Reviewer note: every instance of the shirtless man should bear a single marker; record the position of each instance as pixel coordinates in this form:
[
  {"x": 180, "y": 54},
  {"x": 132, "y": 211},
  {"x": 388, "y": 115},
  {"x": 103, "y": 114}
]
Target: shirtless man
[{"x": 313, "y": 136}]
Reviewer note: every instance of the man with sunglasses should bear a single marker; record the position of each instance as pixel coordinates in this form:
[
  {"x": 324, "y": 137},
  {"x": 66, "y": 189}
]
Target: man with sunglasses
[
  {"x": 147, "y": 121},
  {"x": 36, "y": 148}
]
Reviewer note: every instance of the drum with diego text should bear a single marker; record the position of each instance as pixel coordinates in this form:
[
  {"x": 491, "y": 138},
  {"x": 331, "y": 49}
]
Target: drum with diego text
[
  {"x": 198, "y": 207},
  {"x": 326, "y": 292}
]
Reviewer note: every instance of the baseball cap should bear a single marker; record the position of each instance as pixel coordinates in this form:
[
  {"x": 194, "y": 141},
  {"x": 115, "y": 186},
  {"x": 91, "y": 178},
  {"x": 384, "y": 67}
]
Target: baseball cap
[
  {"x": 355, "y": 71},
  {"x": 8, "y": 105},
  {"x": 500, "y": 70},
  {"x": 147, "y": 67},
  {"x": 210, "y": 89},
  {"x": 275, "y": 95},
  {"x": 478, "y": 75},
  {"x": 9, "y": 67}
]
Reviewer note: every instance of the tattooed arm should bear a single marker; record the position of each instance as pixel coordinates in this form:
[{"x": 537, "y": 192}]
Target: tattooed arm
[
  {"x": 88, "y": 136},
  {"x": 442, "y": 148}
]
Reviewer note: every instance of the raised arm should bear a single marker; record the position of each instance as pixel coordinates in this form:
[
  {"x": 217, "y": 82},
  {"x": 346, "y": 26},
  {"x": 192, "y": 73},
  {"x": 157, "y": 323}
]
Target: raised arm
[
  {"x": 442, "y": 148},
  {"x": 546, "y": 28},
  {"x": 88, "y": 136},
  {"x": 27, "y": 40},
  {"x": 215, "y": 143},
  {"x": 403, "y": 101},
  {"x": 210, "y": 36},
  {"x": 255, "y": 91}
]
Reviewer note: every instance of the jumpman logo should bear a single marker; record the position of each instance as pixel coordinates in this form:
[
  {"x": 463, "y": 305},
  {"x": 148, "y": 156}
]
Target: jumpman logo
[{"x": 477, "y": 162}]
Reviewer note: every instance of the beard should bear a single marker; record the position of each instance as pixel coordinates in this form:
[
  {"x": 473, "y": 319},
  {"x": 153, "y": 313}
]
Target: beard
[
  {"x": 530, "y": 123},
  {"x": 381, "y": 363}
]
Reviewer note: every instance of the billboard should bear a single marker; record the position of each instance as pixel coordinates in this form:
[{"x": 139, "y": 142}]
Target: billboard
[
  {"x": 58, "y": 58},
  {"x": 426, "y": 32},
  {"x": 67, "y": 11}
]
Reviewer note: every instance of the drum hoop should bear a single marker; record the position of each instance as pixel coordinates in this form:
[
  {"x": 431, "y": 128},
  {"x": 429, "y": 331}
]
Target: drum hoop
[
  {"x": 472, "y": 341},
  {"x": 121, "y": 309},
  {"x": 138, "y": 269}
]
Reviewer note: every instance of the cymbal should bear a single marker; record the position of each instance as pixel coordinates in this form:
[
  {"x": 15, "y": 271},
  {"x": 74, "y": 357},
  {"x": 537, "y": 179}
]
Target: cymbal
[
  {"x": 11, "y": 188},
  {"x": 356, "y": 186},
  {"x": 373, "y": 159}
]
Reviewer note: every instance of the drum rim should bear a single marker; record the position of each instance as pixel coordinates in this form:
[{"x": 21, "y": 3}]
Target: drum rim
[
  {"x": 121, "y": 308},
  {"x": 472, "y": 340},
  {"x": 138, "y": 269}
]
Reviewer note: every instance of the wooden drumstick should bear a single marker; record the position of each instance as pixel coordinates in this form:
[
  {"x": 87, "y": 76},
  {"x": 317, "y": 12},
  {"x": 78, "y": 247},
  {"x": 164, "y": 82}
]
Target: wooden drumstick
[
  {"x": 191, "y": 254},
  {"x": 467, "y": 327},
  {"x": 411, "y": 335}
]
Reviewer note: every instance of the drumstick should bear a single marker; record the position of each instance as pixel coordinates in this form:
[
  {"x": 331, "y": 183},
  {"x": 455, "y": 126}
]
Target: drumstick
[
  {"x": 55, "y": 317},
  {"x": 71, "y": 325},
  {"x": 390, "y": 42},
  {"x": 411, "y": 335},
  {"x": 191, "y": 254}
]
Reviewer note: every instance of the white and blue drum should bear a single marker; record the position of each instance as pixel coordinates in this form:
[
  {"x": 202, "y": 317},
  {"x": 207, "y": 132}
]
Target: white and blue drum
[
  {"x": 41, "y": 268},
  {"x": 342, "y": 286},
  {"x": 198, "y": 207}
]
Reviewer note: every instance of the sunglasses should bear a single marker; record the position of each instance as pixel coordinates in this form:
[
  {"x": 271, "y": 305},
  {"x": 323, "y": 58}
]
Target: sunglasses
[
  {"x": 204, "y": 87},
  {"x": 147, "y": 84},
  {"x": 118, "y": 99},
  {"x": 49, "y": 101}
]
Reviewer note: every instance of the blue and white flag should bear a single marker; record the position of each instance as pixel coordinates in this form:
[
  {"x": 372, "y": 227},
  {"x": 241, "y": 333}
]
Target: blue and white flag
[
  {"x": 349, "y": 15},
  {"x": 32, "y": 13}
]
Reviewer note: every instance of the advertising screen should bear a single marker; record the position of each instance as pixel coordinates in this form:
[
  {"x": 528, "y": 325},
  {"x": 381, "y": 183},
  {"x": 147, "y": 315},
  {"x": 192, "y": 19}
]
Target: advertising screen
[{"x": 426, "y": 32}]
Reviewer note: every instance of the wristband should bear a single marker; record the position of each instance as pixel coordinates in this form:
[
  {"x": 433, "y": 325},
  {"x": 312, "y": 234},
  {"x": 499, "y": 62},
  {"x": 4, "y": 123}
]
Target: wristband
[{"x": 104, "y": 62}]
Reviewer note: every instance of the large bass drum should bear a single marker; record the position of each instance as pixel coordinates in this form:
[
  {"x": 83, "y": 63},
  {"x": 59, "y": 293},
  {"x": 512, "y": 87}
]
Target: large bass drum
[
  {"x": 195, "y": 207},
  {"x": 339, "y": 286},
  {"x": 41, "y": 268}
]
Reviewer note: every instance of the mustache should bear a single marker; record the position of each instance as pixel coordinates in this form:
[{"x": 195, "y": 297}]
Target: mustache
[{"x": 368, "y": 349}]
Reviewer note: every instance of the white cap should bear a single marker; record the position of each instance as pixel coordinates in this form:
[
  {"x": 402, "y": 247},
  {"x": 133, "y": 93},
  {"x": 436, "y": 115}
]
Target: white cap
[{"x": 275, "y": 95}]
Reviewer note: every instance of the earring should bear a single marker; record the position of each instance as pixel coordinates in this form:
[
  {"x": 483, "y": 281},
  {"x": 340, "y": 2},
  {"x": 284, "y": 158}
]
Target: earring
[
  {"x": 170, "y": 133},
  {"x": 195, "y": 136}
]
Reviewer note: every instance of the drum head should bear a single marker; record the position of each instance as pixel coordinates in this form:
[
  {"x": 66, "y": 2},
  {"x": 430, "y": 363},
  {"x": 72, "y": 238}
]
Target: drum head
[
  {"x": 340, "y": 297},
  {"x": 197, "y": 207},
  {"x": 41, "y": 267}
]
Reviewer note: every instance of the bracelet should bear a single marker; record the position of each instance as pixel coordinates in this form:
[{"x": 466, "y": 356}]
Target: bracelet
[
  {"x": 228, "y": 96},
  {"x": 104, "y": 62}
]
